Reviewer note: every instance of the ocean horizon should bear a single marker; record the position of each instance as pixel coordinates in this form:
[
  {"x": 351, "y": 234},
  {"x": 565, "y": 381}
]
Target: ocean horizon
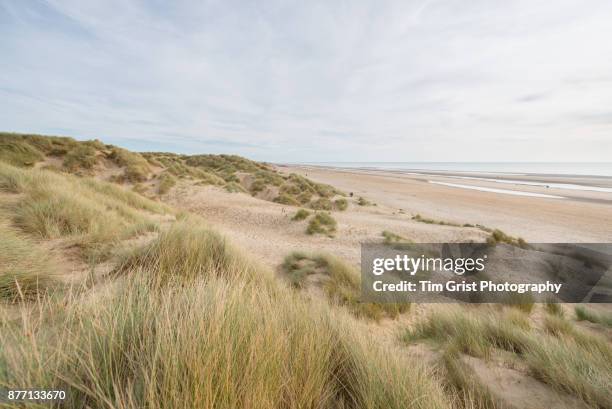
[{"x": 518, "y": 168}]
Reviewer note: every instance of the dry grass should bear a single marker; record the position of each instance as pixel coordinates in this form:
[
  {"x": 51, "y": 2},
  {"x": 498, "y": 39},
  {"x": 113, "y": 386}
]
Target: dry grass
[
  {"x": 340, "y": 282},
  {"x": 560, "y": 355},
  {"x": 322, "y": 223},
  {"x": 301, "y": 214},
  {"x": 392, "y": 238},
  {"x": 26, "y": 271},
  {"x": 218, "y": 342},
  {"x": 341, "y": 204},
  {"x": 136, "y": 166},
  {"x": 18, "y": 152},
  {"x": 94, "y": 215},
  {"x": 166, "y": 182},
  {"x": 81, "y": 158},
  {"x": 498, "y": 236},
  {"x": 286, "y": 200},
  {"x": 583, "y": 314},
  {"x": 185, "y": 252}
]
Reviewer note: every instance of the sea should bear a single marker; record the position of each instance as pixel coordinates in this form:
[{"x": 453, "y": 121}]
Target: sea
[
  {"x": 599, "y": 174},
  {"x": 517, "y": 168}
]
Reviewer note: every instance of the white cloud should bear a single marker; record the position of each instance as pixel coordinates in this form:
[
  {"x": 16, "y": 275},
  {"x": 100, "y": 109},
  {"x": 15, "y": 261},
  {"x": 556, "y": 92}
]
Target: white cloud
[{"x": 308, "y": 81}]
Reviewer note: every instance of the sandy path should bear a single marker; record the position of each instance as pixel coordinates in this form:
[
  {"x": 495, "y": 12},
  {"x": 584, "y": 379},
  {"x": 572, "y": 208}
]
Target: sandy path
[{"x": 265, "y": 229}]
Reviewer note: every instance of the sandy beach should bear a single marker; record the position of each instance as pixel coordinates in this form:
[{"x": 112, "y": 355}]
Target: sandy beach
[
  {"x": 265, "y": 229},
  {"x": 580, "y": 216}
]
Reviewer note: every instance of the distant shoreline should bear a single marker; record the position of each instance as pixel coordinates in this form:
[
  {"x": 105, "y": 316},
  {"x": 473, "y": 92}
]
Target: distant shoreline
[{"x": 597, "y": 183}]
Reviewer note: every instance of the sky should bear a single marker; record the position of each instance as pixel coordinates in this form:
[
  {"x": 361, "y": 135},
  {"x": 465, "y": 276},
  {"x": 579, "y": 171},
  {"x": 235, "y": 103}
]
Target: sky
[{"x": 315, "y": 81}]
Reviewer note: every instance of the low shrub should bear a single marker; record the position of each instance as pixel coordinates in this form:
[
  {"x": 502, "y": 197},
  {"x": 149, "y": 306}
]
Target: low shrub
[
  {"x": 82, "y": 157},
  {"x": 363, "y": 202},
  {"x": 136, "y": 167},
  {"x": 321, "y": 203},
  {"x": 300, "y": 215},
  {"x": 341, "y": 204},
  {"x": 322, "y": 223},
  {"x": 498, "y": 236},
  {"x": 286, "y": 200}
]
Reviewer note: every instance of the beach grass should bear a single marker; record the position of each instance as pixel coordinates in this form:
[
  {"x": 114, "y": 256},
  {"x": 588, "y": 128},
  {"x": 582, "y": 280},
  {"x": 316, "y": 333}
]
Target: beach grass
[
  {"x": 561, "y": 356},
  {"x": 340, "y": 282},
  {"x": 584, "y": 314},
  {"x": 301, "y": 214},
  {"x": 322, "y": 223},
  {"x": 26, "y": 271},
  {"x": 207, "y": 339},
  {"x": 94, "y": 215}
]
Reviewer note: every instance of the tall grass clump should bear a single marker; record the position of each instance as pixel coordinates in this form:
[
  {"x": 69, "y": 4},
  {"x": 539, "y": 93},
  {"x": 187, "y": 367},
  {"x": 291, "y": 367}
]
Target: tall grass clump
[
  {"x": 322, "y": 223},
  {"x": 322, "y": 203},
  {"x": 17, "y": 152},
  {"x": 364, "y": 202},
  {"x": 300, "y": 215},
  {"x": 186, "y": 251},
  {"x": 82, "y": 157},
  {"x": 583, "y": 314},
  {"x": 136, "y": 167},
  {"x": 212, "y": 344},
  {"x": 554, "y": 308},
  {"x": 340, "y": 282},
  {"x": 498, "y": 236},
  {"x": 26, "y": 271},
  {"x": 341, "y": 204},
  {"x": 286, "y": 199},
  {"x": 94, "y": 215}
]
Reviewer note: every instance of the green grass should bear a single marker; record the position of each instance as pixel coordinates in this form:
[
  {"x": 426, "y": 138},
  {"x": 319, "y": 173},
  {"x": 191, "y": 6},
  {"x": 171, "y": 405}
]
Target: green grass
[
  {"x": 26, "y": 271},
  {"x": 340, "y": 282},
  {"x": 322, "y": 223},
  {"x": 301, "y": 214},
  {"x": 583, "y": 314}
]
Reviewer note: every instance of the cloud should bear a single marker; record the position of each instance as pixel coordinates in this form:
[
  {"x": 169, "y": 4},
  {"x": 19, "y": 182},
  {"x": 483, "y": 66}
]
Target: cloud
[{"x": 312, "y": 81}]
